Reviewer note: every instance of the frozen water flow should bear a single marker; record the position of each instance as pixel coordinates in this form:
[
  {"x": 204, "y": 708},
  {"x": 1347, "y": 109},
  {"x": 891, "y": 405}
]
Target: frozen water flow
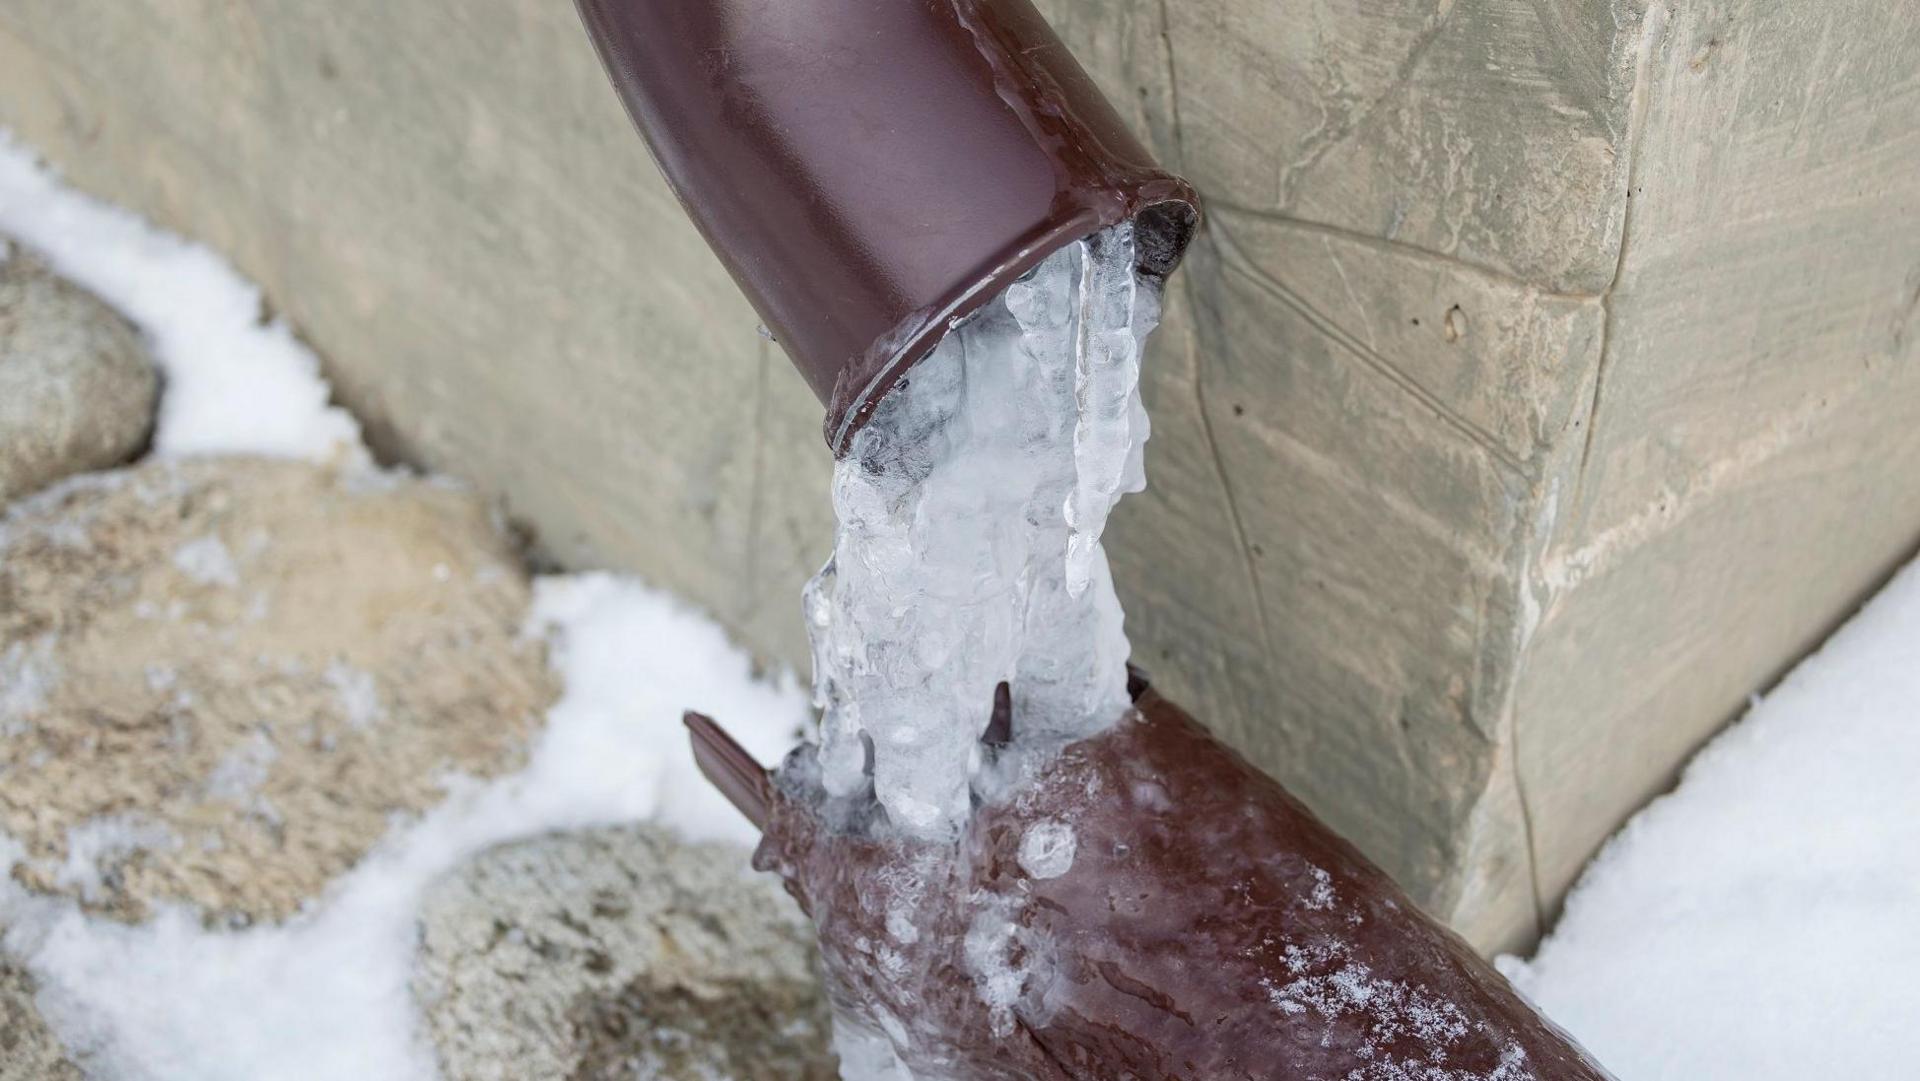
[
  {"x": 968, "y": 553},
  {"x": 1110, "y": 429},
  {"x": 1047, "y": 849}
]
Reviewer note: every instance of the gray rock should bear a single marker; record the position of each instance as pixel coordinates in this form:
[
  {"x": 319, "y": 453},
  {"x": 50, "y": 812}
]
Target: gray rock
[
  {"x": 221, "y": 680},
  {"x": 619, "y": 953},
  {"x": 77, "y": 389},
  {"x": 28, "y": 1051}
]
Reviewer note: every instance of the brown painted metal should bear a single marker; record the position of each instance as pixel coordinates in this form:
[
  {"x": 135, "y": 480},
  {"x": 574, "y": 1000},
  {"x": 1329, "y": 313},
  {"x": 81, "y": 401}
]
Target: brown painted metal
[
  {"x": 1209, "y": 927},
  {"x": 871, "y": 171},
  {"x": 728, "y": 767}
]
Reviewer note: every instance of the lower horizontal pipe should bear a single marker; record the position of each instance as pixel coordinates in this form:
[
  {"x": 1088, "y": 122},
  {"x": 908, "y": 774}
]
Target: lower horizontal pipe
[{"x": 1141, "y": 904}]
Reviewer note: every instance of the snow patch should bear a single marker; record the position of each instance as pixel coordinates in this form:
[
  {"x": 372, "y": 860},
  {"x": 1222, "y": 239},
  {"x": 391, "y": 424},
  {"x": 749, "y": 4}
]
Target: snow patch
[
  {"x": 237, "y": 777},
  {"x": 235, "y": 383},
  {"x": 206, "y": 560},
  {"x": 356, "y": 693},
  {"x": 325, "y": 996},
  {"x": 98, "y": 845},
  {"x": 28, "y": 674},
  {"x": 1762, "y": 923}
]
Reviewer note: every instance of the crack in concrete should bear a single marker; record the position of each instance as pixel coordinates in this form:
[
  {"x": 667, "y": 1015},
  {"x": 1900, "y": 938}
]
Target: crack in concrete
[
  {"x": 1173, "y": 88},
  {"x": 1373, "y": 360},
  {"x": 1324, "y": 139},
  {"x": 1903, "y": 316},
  {"x": 1366, "y": 318},
  {"x": 1196, "y": 364},
  {"x": 1651, "y": 32},
  {"x": 1536, "y": 529},
  {"x": 1399, "y": 248},
  {"x": 1557, "y": 29}
]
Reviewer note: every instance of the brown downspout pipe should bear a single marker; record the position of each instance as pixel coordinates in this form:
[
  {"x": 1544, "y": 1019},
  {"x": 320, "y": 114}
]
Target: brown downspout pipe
[{"x": 871, "y": 171}]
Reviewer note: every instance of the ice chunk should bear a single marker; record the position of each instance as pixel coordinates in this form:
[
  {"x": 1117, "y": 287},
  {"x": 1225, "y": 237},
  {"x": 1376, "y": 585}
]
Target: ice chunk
[
  {"x": 1110, "y": 426},
  {"x": 1047, "y": 849},
  {"x": 1011, "y": 964},
  {"x": 968, "y": 553},
  {"x": 866, "y": 1055}
]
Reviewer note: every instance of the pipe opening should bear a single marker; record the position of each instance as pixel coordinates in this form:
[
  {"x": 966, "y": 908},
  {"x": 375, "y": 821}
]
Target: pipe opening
[{"x": 1161, "y": 234}]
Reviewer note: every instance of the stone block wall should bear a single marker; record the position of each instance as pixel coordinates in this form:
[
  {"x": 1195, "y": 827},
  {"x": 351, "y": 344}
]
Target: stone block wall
[{"x": 1543, "y": 382}]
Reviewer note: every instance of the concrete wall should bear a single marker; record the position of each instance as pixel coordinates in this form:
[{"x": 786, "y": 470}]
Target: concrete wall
[{"x": 1543, "y": 383}]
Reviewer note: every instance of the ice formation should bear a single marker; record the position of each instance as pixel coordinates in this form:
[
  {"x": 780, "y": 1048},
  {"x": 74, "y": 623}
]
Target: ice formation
[{"x": 968, "y": 553}]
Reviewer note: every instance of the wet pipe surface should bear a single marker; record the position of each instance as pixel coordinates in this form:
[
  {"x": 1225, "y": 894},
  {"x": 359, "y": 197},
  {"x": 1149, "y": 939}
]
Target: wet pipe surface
[{"x": 1207, "y": 927}]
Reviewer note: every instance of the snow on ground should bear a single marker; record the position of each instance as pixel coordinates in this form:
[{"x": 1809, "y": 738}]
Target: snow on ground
[
  {"x": 325, "y": 996},
  {"x": 1762, "y": 923},
  {"x": 234, "y": 384}
]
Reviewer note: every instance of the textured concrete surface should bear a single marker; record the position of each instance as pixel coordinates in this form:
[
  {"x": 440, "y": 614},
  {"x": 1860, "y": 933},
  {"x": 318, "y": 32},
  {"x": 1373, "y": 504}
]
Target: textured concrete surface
[
  {"x": 1542, "y": 383},
  {"x": 221, "y": 680},
  {"x": 618, "y": 953},
  {"x": 77, "y": 389}
]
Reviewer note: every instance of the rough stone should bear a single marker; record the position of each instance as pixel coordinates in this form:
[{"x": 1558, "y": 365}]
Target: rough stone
[
  {"x": 221, "y": 679},
  {"x": 1543, "y": 381},
  {"x": 618, "y": 953},
  {"x": 28, "y": 1050},
  {"x": 77, "y": 388}
]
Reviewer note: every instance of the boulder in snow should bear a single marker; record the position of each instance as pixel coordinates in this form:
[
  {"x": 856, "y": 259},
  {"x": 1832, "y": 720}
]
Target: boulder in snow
[
  {"x": 619, "y": 953},
  {"x": 221, "y": 680},
  {"x": 77, "y": 389}
]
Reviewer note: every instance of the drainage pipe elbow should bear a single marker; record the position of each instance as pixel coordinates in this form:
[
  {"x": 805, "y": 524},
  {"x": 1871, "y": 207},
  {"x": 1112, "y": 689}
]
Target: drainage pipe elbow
[{"x": 872, "y": 171}]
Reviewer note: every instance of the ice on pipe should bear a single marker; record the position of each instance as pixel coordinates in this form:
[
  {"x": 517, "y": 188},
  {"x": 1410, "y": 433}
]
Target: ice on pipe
[
  {"x": 1047, "y": 849},
  {"x": 968, "y": 551},
  {"x": 1110, "y": 427}
]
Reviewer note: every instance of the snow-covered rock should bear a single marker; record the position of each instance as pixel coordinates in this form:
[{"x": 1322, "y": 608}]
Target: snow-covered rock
[
  {"x": 28, "y": 1052},
  {"x": 618, "y": 953},
  {"x": 222, "y": 680},
  {"x": 77, "y": 389}
]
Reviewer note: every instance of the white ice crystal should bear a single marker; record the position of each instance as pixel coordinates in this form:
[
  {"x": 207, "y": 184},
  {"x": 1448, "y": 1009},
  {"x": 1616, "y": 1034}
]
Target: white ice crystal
[
  {"x": 96, "y": 845},
  {"x": 1047, "y": 849},
  {"x": 970, "y": 509}
]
